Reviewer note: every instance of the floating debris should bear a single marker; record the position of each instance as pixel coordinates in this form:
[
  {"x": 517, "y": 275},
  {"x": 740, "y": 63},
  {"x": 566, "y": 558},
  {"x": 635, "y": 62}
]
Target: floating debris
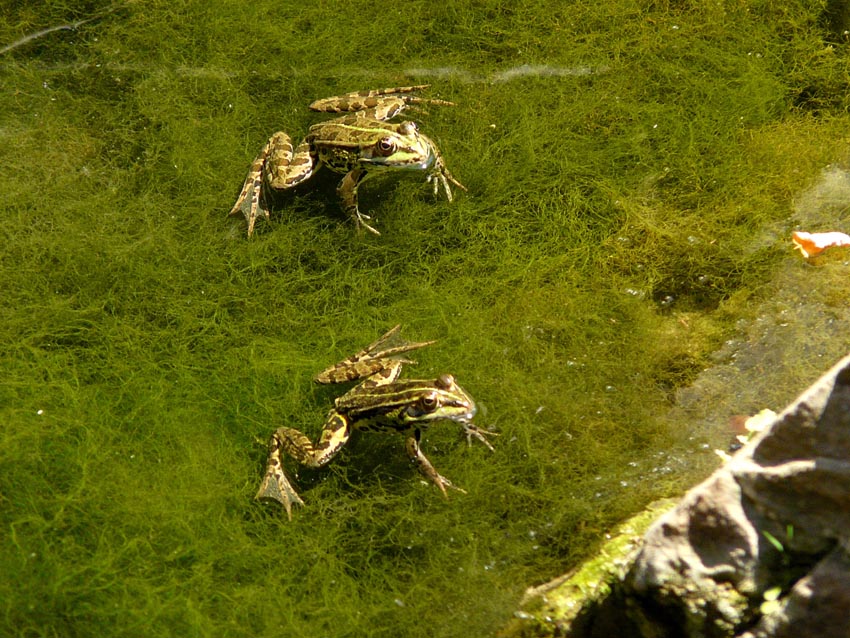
[
  {"x": 750, "y": 426},
  {"x": 811, "y": 244}
]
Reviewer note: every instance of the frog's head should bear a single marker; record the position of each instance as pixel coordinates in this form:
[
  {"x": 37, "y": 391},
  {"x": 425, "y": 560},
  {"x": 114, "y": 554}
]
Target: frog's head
[
  {"x": 409, "y": 403},
  {"x": 402, "y": 148},
  {"x": 439, "y": 399}
]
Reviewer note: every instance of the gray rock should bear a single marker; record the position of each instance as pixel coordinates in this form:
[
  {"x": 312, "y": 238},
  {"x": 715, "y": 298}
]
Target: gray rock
[
  {"x": 760, "y": 549},
  {"x": 776, "y": 517},
  {"x": 817, "y": 606}
]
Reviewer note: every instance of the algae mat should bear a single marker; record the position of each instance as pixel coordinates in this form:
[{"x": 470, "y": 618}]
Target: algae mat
[{"x": 622, "y": 159}]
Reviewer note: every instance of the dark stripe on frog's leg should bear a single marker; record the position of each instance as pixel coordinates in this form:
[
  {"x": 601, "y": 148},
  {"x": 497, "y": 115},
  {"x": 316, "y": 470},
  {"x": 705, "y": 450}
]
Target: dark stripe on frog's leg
[{"x": 414, "y": 451}]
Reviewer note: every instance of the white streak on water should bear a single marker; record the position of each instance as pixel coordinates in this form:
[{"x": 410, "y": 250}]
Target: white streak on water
[{"x": 507, "y": 75}]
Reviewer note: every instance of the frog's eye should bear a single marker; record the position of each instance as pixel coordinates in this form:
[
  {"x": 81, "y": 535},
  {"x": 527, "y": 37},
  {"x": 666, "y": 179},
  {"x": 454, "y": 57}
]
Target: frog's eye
[
  {"x": 429, "y": 402},
  {"x": 426, "y": 404},
  {"x": 445, "y": 381},
  {"x": 385, "y": 146}
]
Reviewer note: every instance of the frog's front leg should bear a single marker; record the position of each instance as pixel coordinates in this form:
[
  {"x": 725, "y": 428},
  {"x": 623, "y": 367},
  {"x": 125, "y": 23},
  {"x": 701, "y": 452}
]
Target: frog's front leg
[
  {"x": 414, "y": 451},
  {"x": 280, "y": 167},
  {"x": 440, "y": 173},
  {"x": 347, "y": 191},
  {"x": 276, "y": 485}
]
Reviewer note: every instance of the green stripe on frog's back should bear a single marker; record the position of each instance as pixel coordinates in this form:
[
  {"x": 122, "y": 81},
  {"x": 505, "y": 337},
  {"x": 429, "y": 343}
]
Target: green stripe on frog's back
[
  {"x": 404, "y": 404},
  {"x": 353, "y": 142},
  {"x": 348, "y": 132},
  {"x": 368, "y": 402}
]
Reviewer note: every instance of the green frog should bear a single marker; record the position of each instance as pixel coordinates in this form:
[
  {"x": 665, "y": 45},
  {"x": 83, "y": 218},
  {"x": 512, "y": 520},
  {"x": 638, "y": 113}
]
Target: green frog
[
  {"x": 359, "y": 145},
  {"x": 380, "y": 402}
]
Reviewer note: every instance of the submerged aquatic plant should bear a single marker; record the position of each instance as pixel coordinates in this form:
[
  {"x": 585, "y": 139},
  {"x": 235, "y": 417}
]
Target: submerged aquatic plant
[{"x": 612, "y": 237}]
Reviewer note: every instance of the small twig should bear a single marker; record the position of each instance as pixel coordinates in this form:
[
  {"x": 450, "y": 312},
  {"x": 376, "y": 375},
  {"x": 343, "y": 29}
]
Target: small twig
[
  {"x": 33, "y": 36},
  {"x": 72, "y": 26}
]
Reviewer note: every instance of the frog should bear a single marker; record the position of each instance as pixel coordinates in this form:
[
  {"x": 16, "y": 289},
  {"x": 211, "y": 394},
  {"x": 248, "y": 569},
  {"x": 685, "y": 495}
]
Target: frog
[
  {"x": 379, "y": 402},
  {"x": 358, "y": 145}
]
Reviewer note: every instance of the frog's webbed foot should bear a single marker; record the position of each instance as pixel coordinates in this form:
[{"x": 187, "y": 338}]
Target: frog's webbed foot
[
  {"x": 279, "y": 166},
  {"x": 381, "y": 355},
  {"x": 250, "y": 198},
  {"x": 442, "y": 178},
  {"x": 414, "y": 451},
  {"x": 381, "y": 348},
  {"x": 275, "y": 485},
  {"x": 360, "y": 222}
]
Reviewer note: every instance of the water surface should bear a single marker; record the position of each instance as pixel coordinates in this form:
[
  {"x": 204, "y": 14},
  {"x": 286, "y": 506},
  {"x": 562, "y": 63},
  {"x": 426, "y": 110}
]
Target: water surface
[{"x": 623, "y": 161}]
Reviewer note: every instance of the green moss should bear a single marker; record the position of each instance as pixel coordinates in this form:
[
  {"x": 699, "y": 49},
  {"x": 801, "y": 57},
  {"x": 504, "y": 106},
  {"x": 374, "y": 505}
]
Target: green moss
[
  {"x": 563, "y": 605},
  {"x": 612, "y": 235}
]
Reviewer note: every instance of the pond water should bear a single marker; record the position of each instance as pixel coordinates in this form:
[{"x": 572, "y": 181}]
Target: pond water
[{"x": 632, "y": 169}]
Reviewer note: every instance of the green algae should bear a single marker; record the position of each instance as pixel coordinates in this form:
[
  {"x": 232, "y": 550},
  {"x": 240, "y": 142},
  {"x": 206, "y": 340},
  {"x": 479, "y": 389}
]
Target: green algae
[{"x": 623, "y": 160}]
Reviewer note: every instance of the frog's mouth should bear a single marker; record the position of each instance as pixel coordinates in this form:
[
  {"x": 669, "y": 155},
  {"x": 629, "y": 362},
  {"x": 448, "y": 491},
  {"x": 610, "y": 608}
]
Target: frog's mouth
[
  {"x": 466, "y": 417},
  {"x": 402, "y": 160}
]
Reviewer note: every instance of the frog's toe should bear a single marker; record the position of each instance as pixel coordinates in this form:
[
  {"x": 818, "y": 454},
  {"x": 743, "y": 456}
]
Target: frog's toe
[
  {"x": 471, "y": 431},
  {"x": 252, "y": 216},
  {"x": 442, "y": 482},
  {"x": 360, "y": 221}
]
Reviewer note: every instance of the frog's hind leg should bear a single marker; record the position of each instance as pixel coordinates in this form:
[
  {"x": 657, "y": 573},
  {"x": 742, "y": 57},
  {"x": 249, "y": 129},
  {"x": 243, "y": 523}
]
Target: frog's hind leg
[
  {"x": 276, "y": 485},
  {"x": 380, "y": 104},
  {"x": 280, "y": 167},
  {"x": 414, "y": 451},
  {"x": 380, "y": 355},
  {"x": 252, "y": 188},
  {"x": 286, "y": 168}
]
